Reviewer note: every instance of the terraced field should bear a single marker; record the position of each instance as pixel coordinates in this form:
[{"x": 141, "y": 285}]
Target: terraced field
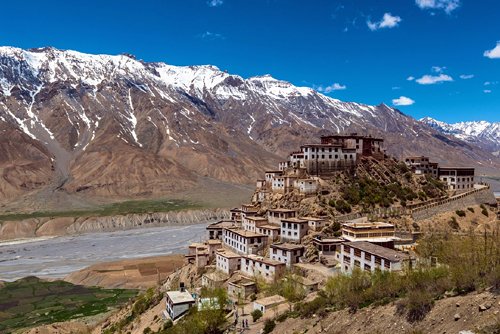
[{"x": 30, "y": 302}]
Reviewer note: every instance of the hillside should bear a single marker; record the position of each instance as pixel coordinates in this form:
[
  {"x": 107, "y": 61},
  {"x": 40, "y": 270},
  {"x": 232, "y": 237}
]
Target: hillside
[
  {"x": 79, "y": 129},
  {"x": 372, "y": 184}
]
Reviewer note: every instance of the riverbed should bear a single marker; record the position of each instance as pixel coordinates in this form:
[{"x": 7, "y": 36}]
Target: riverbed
[{"x": 59, "y": 256}]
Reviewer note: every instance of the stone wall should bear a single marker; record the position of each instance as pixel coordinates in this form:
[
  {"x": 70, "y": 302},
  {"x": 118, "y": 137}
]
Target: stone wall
[{"x": 459, "y": 202}]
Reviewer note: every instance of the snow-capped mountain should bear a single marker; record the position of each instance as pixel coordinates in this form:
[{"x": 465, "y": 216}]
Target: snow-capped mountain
[
  {"x": 482, "y": 133},
  {"x": 104, "y": 125}
]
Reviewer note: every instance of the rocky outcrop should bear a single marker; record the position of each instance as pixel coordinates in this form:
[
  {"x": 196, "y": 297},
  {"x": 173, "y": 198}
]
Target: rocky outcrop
[{"x": 43, "y": 227}]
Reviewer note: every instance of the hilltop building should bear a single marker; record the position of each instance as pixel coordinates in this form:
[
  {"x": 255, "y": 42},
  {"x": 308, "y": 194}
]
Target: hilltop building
[
  {"x": 178, "y": 303},
  {"x": 366, "y": 146},
  {"x": 253, "y": 265},
  {"x": 286, "y": 253},
  {"x": 361, "y": 229},
  {"x": 368, "y": 256},
  {"x": 293, "y": 229},
  {"x": 242, "y": 241},
  {"x": 457, "y": 178}
]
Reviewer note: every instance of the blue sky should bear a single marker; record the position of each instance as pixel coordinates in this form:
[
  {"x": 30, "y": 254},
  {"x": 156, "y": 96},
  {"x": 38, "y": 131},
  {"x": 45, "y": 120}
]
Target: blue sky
[{"x": 353, "y": 50}]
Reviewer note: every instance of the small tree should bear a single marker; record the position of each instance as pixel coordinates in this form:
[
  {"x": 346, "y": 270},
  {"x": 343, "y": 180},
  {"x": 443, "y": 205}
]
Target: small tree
[
  {"x": 256, "y": 315},
  {"x": 269, "y": 326}
]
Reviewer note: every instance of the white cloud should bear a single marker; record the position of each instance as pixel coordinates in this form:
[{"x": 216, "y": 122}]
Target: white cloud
[
  {"x": 434, "y": 79},
  {"x": 215, "y": 3},
  {"x": 387, "y": 21},
  {"x": 410, "y": 78},
  {"x": 211, "y": 35},
  {"x": 493, "y": 53},
  {"x": 487, "y": 91},
  {"x": 447, "y": 5},
  {"x": 466, "y": 76},
  {"x": 331, "y": 88},
  {"x": 396, "y": 88},
  {"x": 438, "y": 69},
  {"x": 403, "y": 101},
  {"x": 487, "y": 83}
]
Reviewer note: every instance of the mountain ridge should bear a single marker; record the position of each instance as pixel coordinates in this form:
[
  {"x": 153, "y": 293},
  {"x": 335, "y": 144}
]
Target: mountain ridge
[
  {"x": 116, "y": 127},
  {"x": 482, "y": 133}
]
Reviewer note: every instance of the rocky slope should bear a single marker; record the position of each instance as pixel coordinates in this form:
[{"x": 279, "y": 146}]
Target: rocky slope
[
  {"x": 89, "y": 126},
  {"x": 481, "y": 133}
]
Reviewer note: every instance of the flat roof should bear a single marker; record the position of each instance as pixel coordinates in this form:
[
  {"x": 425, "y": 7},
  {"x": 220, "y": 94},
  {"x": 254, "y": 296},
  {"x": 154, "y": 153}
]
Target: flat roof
[
  {"x": 386, "y": 253},
  {"x": 294, "y": 220},
  {"x": 317, "y": 219},
  {"x": 180, "y": 297},
  {"x": 216, "y": 276},
  {"x": 255, "y": 218},
  {"x": 287, "y": 246},
  {"x": 220, "y": 224},
  {"x": 244, "y": 233},
  {"x": 272, "y": 300},
  {"x": 281, "y": 210},
  {"x": 270, "y": 227},
  {"x": 328, "y": 240},
  {"x": 367, "y": 224},
  {"x": 353, "y": 136},
  {"x": 457, "y": 168},
  {"x": 273, "y": 171},
  {"x": 213, "y": 241},
  {"x": 322, "y": 145},
  {"x": 262, "y": 259},
  {"x": 226, "y": 253}
]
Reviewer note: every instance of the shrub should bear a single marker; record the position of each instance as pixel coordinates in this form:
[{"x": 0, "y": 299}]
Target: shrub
[
  {"x": 454, "y": 224},
  {"x": 460, "y": 213},
  {"x": 316, "y": 306},
  {"x": 269, "y": 326},
  {"x": 336, "y": 226},
  {"x": 256, "y": 315},
  {"x": 484, "y": 211},
  {"x": 471, "y": 209},
  {"x": 147, "y": 330},
  {"x": 416, "y": 305},
  {"x": 342, "y": 206},
  {"x": 282, "y": 317}
]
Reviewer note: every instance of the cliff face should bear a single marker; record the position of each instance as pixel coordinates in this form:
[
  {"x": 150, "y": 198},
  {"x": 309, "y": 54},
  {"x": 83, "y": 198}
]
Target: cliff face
[{"x": 45, "y": 227}]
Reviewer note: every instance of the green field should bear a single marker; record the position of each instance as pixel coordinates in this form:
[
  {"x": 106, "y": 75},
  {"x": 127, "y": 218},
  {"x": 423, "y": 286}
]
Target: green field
[
  {"x": 121, "y": 208},
  {"x": 30, "y": 302}
]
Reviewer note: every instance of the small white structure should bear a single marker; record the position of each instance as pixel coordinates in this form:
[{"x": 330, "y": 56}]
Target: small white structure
[
  {"x": 250, "y": 223},
  {"x": 271, "y": 230},
  {"x": 293, "y": 229},
  {"x": 368, "y": 256},
  {"x": 274, "y": 216},
  {"x": 457, "y": 178},
  {"x": 243, "y": 242},
  {"x": 264, "y": 304},
  {"x": 421, "y": 165},
  {"x": 286, "y": 253},
  {"x": 253, "y": 265},
  {"x": 361, "y": 229},
  {"x": 227, "y": 261},
  {"x": 178, "y": 303},
  {"x": 278, "y": 184},
  {"x": 315, "y": 223},
  {"x": 306, "y": 186},
  {"x": 214, "y": 230},
  {"x": 214, "y": 279},
  {"x": 271, "y": 174}
]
